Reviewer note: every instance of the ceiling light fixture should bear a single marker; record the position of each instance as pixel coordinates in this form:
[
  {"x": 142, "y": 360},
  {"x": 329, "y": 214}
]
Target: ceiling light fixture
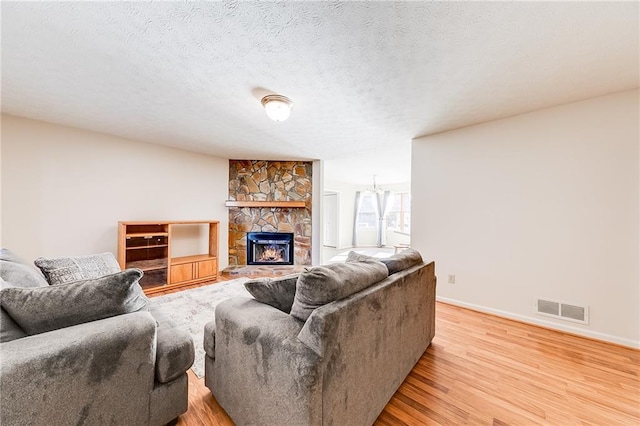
[
  {"x": 375, "y": 188},
  {"x": 277, "y": 107}
]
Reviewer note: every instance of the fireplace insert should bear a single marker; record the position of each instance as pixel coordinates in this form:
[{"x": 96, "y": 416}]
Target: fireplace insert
[{"x": 269, "y": 248}]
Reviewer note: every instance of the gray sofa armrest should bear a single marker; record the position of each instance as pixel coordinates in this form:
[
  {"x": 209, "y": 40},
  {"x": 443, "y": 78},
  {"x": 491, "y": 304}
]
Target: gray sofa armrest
[
  {"x": 175, "y": 353},
  {"x": 259, "y": 358},
  {"x": 75, "y": 375},
  {"x": 209, "y": 341}
]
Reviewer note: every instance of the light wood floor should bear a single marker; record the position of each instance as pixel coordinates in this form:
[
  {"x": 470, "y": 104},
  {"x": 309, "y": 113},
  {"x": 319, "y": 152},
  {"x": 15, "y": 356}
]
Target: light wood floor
[{"x": 485, "y": 370}]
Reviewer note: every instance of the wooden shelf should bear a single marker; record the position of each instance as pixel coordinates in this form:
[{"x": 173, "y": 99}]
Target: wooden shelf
[
  {"x": 161, "y": 287},
  {"x": 170, "y": 222},
  {"x": 148, "y": 265},
  {"x": 148, "y": 247},
  {"x": 281, "y": 204},
  {"x": 149, "y": 286},
  {"x": 148, "y": 234}
]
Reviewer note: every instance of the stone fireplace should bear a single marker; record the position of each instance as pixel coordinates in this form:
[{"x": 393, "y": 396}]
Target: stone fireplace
[{"x": 272, "y": 197}]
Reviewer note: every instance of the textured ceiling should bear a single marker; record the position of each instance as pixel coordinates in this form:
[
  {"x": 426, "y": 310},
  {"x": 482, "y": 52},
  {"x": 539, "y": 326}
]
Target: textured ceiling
[{"x": 365, "y": 77}]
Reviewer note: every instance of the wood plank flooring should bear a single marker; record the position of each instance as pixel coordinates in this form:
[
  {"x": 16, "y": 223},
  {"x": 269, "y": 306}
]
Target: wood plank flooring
[{"x": 486, "y": 370}]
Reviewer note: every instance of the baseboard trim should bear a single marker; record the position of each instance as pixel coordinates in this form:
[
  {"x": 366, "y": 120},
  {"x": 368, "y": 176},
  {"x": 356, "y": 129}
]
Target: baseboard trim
[{"x": 545, "y": 324}]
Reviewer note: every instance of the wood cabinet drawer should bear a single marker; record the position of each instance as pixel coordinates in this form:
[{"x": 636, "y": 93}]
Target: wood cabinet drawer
[
  {"x": 207, "y": 268},
  {"x": 183, "y": 272}
]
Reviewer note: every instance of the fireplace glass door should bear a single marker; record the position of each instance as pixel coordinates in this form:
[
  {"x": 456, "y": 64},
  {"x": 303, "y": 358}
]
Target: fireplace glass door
[{"x": 269, "y": 248}]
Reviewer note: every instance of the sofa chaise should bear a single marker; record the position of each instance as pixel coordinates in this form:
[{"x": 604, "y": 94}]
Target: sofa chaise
[{"x": 328, "y": 347}]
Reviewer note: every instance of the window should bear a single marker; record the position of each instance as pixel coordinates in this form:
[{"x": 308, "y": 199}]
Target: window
[
  {"x": 367, "y": 216},
  {"x": 399, "y": 216}
]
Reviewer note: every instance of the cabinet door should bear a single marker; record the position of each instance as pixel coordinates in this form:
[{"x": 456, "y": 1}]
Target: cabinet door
[
  {"x": 181, "y": 273},
  {"x": 207, "y": 268}
]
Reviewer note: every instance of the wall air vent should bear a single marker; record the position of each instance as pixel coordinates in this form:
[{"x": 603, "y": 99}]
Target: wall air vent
[
  {"x": 572, "y": 312},
  {"x": 548, "y": 307},
  {"x": 562, "y": 311}
]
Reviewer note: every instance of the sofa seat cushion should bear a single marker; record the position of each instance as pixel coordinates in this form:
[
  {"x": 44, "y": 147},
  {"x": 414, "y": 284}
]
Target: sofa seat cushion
[
  {"x": 276, "y": 292},
  {"x": 41, "y": 309},
  {"x": 174, "y": 354},
  {"x": 324, "y": 284},
  {"x": 62, "y": 270},
  {"x": 396, "y": 263},
  {"x": 17, "y": 272}
]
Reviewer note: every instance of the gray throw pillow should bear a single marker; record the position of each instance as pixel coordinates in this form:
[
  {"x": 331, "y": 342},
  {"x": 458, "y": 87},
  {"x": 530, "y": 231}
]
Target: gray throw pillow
[
  {"x": 19, "y": 273},
  {"x": 9, "y": 330},
  {"x": 41, "y": 309},
  {"x": 62, "y": 270},
  {"x": 324, "y": 284},
  {"x": 403, "y": 260},
  {"x": 276, "y": 292}
]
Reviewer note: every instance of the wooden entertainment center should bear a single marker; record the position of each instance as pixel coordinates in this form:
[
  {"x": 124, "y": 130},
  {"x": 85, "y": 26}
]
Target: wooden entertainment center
[{"x": 147, "y": 246}]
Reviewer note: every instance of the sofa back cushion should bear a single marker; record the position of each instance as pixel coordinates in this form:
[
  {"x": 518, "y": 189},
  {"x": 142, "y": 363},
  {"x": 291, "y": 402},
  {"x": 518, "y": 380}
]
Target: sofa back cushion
[
  {"x": 60, "y": 270},
  {"x": 324, "y": 284},
  {"x": 396, "y": 263},
  {"x": 403, "y": 260},
  {"x": 17, "y": 272},
  {"x": 277, "y": 292},
  {"x": 40, "y": 309}
]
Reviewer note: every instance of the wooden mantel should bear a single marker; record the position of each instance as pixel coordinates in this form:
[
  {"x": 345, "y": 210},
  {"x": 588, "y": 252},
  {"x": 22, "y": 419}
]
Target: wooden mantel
[{"x": 266, "y": 204}]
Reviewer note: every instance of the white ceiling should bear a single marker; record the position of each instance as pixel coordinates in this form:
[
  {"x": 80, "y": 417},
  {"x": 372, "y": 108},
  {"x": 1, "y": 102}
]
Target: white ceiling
[{"x": 366, "y": 77}]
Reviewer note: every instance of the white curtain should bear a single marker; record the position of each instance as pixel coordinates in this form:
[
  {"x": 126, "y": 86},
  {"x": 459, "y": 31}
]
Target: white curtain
[
  {"x": 382, "y": 210},
  {"x": 356, "y": 212}
]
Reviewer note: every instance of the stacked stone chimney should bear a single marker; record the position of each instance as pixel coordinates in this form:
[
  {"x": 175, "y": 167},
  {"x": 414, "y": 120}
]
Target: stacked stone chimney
[{"x": 253, "y": 180}]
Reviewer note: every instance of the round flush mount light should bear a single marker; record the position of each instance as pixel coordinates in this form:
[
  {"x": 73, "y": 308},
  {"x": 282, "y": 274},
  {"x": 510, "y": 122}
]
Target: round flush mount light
[{"x": 277, "y": 107}]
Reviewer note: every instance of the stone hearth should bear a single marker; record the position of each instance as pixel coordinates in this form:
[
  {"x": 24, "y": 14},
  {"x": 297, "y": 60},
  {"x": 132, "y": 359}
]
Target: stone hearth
[
  {"x": 260, "y": 271},
  {"x": 253, "y": 180}
]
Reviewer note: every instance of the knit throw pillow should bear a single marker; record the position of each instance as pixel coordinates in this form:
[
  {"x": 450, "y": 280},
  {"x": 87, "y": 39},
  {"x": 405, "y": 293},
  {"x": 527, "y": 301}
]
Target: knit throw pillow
[{"x": 62, "y": 270}]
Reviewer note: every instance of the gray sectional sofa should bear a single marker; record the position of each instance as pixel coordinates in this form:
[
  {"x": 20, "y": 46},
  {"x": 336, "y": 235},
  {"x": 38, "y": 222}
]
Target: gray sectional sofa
[
  {"x": 328, "y": 347},
  {"x": 86, "y": 352}
]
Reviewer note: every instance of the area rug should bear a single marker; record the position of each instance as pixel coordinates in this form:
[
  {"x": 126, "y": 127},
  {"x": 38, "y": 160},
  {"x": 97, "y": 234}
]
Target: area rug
[{"x": 192, "y": 309}]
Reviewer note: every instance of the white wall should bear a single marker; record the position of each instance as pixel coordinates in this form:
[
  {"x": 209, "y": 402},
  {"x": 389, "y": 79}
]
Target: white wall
[
  {"x": 544, "y": 204},
  {"x": 64, "y": 189}
]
